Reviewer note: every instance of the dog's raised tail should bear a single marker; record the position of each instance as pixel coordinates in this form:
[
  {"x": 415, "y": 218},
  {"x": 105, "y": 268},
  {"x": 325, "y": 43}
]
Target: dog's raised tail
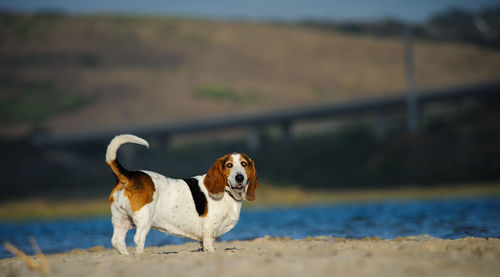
[{"x": 117, "y": 141}]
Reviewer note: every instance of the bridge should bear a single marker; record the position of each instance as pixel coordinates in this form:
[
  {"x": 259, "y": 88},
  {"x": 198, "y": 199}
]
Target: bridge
[{"x": 285, "y": 119}]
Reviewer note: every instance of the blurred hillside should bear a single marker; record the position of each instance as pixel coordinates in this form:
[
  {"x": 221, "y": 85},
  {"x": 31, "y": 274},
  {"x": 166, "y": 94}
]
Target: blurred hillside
[
  {"x": 78, "y": 73},
  {"x": 66, "y": 74}
]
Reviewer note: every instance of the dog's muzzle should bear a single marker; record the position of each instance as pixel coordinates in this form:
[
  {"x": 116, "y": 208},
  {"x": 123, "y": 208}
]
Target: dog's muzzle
[{"x": 239, "y": 178}]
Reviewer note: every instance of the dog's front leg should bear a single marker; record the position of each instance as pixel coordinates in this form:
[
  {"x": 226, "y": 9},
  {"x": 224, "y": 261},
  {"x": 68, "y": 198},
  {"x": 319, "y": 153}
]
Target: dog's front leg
[{"x": 208, "y": 242}]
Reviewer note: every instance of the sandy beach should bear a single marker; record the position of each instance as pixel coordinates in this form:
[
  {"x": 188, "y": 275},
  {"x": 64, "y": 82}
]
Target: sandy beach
[{"x": 312, "y": 256}]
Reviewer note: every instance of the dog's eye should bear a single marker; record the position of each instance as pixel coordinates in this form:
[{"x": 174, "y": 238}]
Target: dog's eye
[
  {"x": 244, "y": 164},
  {"x": 229, "y": 165}
]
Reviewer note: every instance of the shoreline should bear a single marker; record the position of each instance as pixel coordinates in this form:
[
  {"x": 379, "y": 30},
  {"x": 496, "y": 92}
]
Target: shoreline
[
  {"x": 268, "y": 196},
  {"x": 270, "y": 256}
]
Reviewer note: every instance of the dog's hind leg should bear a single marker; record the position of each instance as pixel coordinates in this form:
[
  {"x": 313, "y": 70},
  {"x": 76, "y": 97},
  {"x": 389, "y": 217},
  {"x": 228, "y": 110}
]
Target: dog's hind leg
[
  {"x": 143, "y": 221},
  {"x": 121, "y": 225}
]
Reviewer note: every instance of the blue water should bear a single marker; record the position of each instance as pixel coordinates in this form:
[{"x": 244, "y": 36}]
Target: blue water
[{"x": 479, "y": 217}]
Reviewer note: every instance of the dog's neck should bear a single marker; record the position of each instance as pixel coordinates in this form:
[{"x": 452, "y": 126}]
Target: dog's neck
[{"x": 232, "y": 196}]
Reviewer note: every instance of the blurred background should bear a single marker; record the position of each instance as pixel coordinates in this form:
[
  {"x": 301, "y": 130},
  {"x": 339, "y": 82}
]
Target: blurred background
[
  {"x": 365, "y": 118},
  {"x": 325, "y": 96}
]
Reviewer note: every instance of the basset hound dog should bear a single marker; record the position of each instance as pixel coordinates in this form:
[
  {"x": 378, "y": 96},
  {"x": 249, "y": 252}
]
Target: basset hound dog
[{"x": 199, "y": 208}]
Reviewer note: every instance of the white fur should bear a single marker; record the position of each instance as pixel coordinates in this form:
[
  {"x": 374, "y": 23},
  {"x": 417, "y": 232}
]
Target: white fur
[
  {"x": 173, "y": 209},
  {"x": 117, "y": 141}
]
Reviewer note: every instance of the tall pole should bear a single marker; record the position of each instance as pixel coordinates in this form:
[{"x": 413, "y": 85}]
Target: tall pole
[{"x": 411, "y": 95}]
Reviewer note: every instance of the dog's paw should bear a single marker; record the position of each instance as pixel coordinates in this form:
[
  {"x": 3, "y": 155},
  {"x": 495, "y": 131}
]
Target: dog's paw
[
  {"x": 123, "y": 251},
  {"x": 209, "y": 249}
]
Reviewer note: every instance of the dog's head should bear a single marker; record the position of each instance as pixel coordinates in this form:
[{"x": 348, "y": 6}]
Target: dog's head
[{"x": 236, "y": 172}]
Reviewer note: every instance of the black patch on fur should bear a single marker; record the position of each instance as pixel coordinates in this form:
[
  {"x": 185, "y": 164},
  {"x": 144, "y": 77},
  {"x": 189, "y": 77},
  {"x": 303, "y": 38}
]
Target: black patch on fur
[
  {"x": 132, "y": 174},
  {"x": 200, "y": 200}
]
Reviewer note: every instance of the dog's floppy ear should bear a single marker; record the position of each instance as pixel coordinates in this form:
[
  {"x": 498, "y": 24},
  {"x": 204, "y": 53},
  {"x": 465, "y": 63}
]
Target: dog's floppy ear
[
  {"x": 253, "y": 181},
  {"x": 215, "y": 181}
]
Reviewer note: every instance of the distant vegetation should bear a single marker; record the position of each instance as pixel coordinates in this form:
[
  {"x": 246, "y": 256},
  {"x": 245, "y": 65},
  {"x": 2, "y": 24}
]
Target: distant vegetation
[
  {"x": 33, "y": 103},
  {"x": 482, "y": 28},
  {"x": 217, "y": 92}
]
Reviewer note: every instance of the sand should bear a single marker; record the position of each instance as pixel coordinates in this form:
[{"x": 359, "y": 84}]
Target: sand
[{"x": 312, "y": 256}]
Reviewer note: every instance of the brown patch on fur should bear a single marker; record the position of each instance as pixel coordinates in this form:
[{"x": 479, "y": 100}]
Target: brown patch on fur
[
  {"x": 227, "y": 159},
  {"x": 111, "y": 197},
  {"x": 253, "y": 181},
  {"x": 139, "y": 187},
  {"x": 139, "y": 190},
  {"x": 116, "y": 168},
  {"x": 119, "y": 186},
  {"x": 119, "y": 177},
  {"x": 216, "y": 179}
]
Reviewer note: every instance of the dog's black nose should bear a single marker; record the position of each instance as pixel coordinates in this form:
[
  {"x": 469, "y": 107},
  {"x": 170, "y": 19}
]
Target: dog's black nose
[{"x": 239, "y": 178}]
